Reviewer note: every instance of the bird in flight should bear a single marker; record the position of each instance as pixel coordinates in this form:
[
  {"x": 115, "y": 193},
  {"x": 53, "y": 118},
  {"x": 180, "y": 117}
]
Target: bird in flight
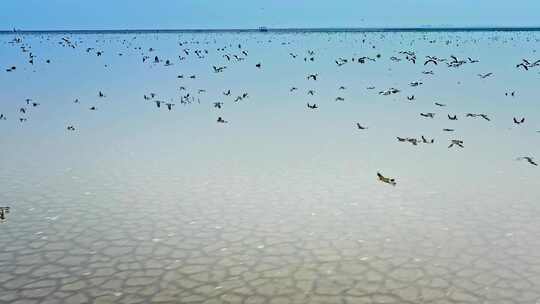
[
  {"x": 518, "y": 122},
  {"x": 424, "y": 140},
  {"x": 3, "y": 212},
  {"x": 386, "y": 180},
  {"x": 360, "y": 126},
  {"x": 456, "y": 142},
  {"x": 529, "y": 159},
  {"x": 484, "y": 76},
  {"x": 314, "y": 106},
  {"x": 484, "y": 116},
  {"x": 430, "y": 115}
]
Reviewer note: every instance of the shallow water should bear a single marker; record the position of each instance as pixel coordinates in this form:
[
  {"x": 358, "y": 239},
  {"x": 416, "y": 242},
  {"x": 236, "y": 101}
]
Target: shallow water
[{"x": 280, "y": 205}]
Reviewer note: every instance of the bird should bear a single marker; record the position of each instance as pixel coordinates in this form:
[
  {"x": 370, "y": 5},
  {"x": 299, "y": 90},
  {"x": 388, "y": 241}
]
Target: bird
[
  {"x": 401, "y": 139},
  {"x": 312, "y": 76},
  {"x": 70, "y": 128},
  {"x": 424, "y": 140},
  {"x": 430, "y": 61},
  {"x": 516, "y": 121},
  {"x": 158, "y": 103},
  {"x": 360, "y": 126},
  {"x": 93, "y": 108},
  {"x": 3, "y": 117},
  {"x": 483, "y": 76},
  {"x": 456, "y": 142},
  {"x": 387, "y": 180},
  {"x": 3, "y": 212},
  {"x": 218, "y": 69},
  {"x": 529, "y": 159},
  {"x": 430, "y": 115},
  {"x": 169, "y": 106},
  {"x": 410, "y": 98},
  {"x": 448, "y": 130},
  {"x": 484, "y": 116},
  {"x": 258, "y": 65},
  {"x": 220, "y": 120},
  {"x": 314, "y": 106},
  {"x": 227, "y": 93},
  {"x": 218, "y": 105},
  {"x": 452, "y": 117},
  {"x": 101, "y": 95},
  {"x": 339, "y": 98},
  {"x": 440, "y": 104},
  {"x": 522, "y": 65}
]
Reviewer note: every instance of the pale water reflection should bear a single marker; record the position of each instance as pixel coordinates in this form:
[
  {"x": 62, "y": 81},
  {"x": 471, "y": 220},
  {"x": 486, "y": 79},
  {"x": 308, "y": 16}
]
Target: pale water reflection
[{"x": 282, "y": 204}]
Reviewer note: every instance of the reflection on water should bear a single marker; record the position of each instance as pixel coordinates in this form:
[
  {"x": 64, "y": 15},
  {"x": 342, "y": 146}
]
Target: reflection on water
[{"x": 282, "y": 204}]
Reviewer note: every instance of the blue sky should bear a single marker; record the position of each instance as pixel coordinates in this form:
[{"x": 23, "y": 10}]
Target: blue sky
[{"x": 137, "y": 14}]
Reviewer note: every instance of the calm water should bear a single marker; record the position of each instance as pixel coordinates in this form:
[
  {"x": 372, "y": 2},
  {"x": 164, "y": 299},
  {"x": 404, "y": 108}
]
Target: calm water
[{"x": 282, "y": 204}]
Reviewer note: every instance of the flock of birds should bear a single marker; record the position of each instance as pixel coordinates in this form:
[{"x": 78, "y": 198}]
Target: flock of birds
[{"x": 232, "y": 54}]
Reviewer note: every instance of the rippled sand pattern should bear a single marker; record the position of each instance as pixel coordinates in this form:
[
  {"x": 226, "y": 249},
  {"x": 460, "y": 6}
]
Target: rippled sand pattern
[
  {"x": 251, "y": 241},
  {"x": 166, "y": 224}
]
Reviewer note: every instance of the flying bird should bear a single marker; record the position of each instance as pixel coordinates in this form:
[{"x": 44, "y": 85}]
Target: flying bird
[
  {"x": 386, "y": 180},
  {"x": 518, "y": 122},
  {"x": 360, "y": 126},
  {"x": 529, "y": 159},
  {"x": 456, "y": 142}
]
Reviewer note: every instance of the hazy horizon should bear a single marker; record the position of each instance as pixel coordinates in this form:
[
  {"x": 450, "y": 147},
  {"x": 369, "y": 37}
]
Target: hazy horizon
[
  {"x": 191, "y": 14},
  {"x": 329, "y": 28}
]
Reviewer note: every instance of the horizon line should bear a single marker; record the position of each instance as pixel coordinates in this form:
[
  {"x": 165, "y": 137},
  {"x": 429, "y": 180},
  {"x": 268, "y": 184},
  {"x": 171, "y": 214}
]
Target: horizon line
[{"x": 292, "y": 29}]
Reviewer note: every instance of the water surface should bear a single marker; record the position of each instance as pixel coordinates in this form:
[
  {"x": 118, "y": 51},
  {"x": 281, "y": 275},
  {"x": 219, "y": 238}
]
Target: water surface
[{"x": 282, "y": 204}]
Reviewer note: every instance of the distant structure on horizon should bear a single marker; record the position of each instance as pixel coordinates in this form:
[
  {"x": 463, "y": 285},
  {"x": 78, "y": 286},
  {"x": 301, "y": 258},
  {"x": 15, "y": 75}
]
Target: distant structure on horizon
[{"x": 263, "y": 29}]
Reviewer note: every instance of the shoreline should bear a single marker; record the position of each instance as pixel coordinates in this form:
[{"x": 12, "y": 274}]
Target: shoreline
[{"x": 281, "y": 30}]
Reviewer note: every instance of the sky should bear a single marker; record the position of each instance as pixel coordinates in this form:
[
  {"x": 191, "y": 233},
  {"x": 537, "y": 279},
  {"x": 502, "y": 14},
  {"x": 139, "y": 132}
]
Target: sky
[{"x": 192, "y": 14}]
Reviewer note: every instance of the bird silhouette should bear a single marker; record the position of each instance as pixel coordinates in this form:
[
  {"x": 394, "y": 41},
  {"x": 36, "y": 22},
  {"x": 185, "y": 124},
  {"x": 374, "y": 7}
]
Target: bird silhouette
[
  {"x": 456, "y": 142},
  {"x": 483, "y": 76},
  {"x": 3, "y": 212},
  {"x": 312, "y": 76},
  {"x": 386, "y": 180},
  {"x": 518, "y": 122},
  {"x": 529, "y": 159},
  {"x": 360, "y": 126}
]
